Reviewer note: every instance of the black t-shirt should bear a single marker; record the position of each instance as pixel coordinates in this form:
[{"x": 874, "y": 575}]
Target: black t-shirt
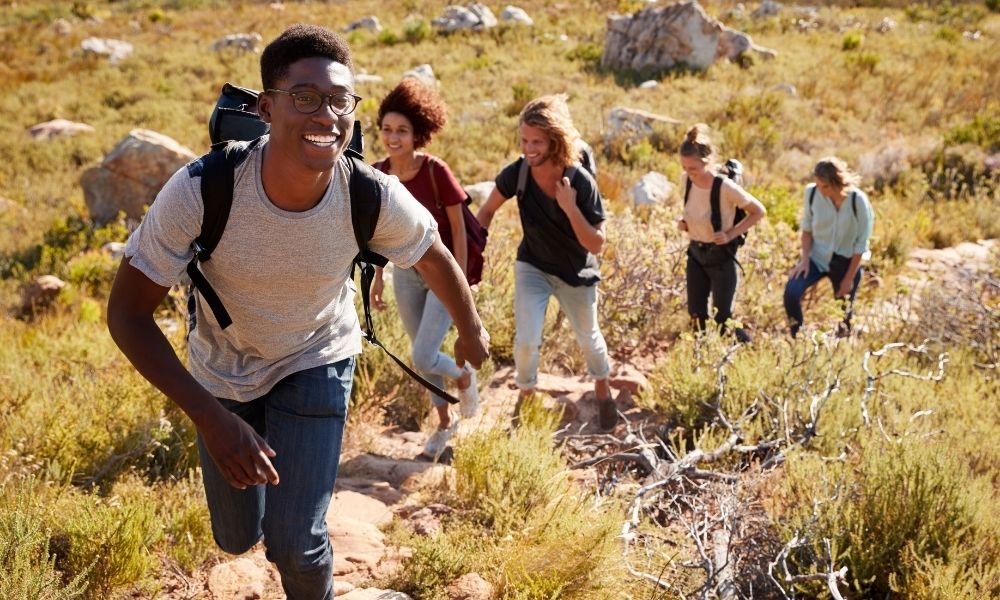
[{"x": 549, "y": 243}]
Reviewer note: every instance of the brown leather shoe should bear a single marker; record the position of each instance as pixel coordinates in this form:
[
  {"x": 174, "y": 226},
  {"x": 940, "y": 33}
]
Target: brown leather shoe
[{"x": 608, "y": 414}]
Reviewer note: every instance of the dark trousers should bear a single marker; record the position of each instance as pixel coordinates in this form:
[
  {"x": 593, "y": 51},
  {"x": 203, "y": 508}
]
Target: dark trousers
[
  {"x": 711, "y": 269},
  {"x": 797, "y": 286}
]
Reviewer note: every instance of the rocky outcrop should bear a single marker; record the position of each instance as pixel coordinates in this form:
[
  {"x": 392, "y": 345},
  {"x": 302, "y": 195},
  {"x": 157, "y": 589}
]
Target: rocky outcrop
[
  {"x": 633, "y": 125},
  {"x": 40, "y": 294},
  {"x": 652, "y": 188},
  {"x": 669, "y": 36},
  {"x": 57, "y": 128},
  {"x": 130, "y": 176},
  {"x": 114, "y": 50}
]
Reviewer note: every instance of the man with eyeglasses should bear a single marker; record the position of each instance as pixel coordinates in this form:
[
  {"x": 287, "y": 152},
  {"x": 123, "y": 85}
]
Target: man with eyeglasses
[{"x": 268, "y": 394}]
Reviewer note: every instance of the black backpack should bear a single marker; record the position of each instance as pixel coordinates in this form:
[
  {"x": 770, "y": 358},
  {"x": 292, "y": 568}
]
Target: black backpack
[
  {"x": 734, "y": 170},
  {"x": 235, "y": 130}
]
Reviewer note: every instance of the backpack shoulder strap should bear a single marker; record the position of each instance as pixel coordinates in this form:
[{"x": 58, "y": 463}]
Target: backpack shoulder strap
[
  {"x": 522, "y": 178},
  {"x": 854, "y": 203},
  {"x": 570, "y": 173},
  {"x": 812, "y": 196},
  {"x": 218, "y": 174},
  {"x": 687, "y": 189},
  {"x": 365, "y": 189},
  {"x": 715, "y": 199},
  {"x": 434, "y": 183}
]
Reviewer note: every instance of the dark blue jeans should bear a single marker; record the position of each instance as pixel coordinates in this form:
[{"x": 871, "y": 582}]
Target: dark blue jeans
[
  {"x": 797, "y": 286},
  {"x": 302, "y": 419}
]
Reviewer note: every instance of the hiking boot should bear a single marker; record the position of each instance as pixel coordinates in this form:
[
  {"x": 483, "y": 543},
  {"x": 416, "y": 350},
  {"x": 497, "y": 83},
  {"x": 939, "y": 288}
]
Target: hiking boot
[
  {"x": 468, "y": 399},
  {"x": 843, "y": 329},
  {"x": 741, "y": 335},
  {"x": 607, "y": 413},
  {"x": 439, "y": 440}
]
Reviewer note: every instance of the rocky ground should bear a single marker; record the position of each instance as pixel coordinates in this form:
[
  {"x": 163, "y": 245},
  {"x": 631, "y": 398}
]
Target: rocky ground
[{"x": 391, "y": 480}]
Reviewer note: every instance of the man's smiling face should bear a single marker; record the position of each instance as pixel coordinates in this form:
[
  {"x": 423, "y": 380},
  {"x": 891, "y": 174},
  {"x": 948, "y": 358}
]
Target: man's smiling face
[{"x": 315, "y": 141}]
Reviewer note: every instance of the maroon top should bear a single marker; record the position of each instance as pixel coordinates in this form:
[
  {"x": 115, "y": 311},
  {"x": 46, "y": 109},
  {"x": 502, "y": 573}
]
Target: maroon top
[{"x": 450, "y": 192}]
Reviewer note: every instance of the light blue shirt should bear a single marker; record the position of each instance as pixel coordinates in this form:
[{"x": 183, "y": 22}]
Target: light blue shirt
[{"x": 837, "y": 231}]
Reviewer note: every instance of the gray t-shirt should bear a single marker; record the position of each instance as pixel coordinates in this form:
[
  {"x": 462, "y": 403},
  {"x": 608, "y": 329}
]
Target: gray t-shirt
[{"x": 283, "y": 276}]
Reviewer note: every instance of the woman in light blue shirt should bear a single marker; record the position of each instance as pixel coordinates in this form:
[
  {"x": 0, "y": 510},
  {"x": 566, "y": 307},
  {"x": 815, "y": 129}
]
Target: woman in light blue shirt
[{"x": 836, "y": 227}]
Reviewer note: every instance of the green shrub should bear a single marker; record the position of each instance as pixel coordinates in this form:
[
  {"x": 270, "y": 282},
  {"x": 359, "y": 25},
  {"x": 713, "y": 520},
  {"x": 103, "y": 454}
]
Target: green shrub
[
  {"x": 28, "y": 566},
  {"x": 388, "y": 37},
  {"x": 983, "y": 130},
  {"x": 416, "y": 30},
  {"x": 993, "y": 5},
  {"x": 522, "y": 94},
  {"x": 865, "y": 62},
  {"x": 905, "y": 515},
  {"x": 852, "y": 40},
  {"x": 109, "y": 540}
]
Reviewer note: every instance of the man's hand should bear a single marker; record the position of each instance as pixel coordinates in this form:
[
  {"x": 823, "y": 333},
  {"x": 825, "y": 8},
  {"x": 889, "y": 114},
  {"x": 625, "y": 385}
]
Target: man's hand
[
  {"x": 473, "y": 350},
  {"x": 682, "y": 224},
  {"x": 242, "y": 456},
  {"x": 800, "y": 269},
  {"x": 565, "y": 194},
  {"x": 721, "y": 238}
]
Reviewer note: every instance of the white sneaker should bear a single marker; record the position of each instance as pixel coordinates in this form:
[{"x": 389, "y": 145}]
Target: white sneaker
[
  {"x": 468, "y": 399},
  {"x": 439, "y": 440}
]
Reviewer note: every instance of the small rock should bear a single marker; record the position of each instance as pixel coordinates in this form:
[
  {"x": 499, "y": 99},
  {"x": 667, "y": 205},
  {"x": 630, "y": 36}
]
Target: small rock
[
  {"x": 58, "y": 128},
  {"x": 62, "y": 27},
  {"x": 341, "y": 587},
  {"x": 470, "y": 586},
  {"x": 652, "y": 188},
  {"x": 114, "y": 50},
  {"x": 786, "y": 88},
  {"x": 633, "y": 124},
  {"x": 366, "y": 78},
  {"x": 516, "y": 15},
  {"x": 479, "y": 192},
  {"x": 973, "y": 36},
  {"x": 40, "y": 294},
  {"x": 276, "y": 6},
  {"x": 768, "y": 8},
  {"x": 649, "y": 84},
  {"x": 237, "y": 42},
  {"x": 886, "y": 25},
  {"x": 369, "y": 23},
  {"x": 240, "y": 579},
  {"x": 424, "y": 73}
]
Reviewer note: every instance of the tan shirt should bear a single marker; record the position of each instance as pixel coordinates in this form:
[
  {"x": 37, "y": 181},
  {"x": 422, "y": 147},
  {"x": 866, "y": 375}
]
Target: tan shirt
[{"x": 698, "y": 210}]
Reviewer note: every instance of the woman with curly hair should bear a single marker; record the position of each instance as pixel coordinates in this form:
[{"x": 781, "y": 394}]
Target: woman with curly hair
[{"x": 407, "y": 118}]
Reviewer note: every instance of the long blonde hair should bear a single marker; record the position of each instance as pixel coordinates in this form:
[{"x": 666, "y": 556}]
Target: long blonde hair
[
  {"x": 551, "y": 115},
  {"x": 835, "y": 172}
]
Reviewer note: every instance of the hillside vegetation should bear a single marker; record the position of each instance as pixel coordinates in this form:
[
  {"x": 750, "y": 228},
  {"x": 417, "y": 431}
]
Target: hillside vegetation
[{"x": 877, "y": 453}]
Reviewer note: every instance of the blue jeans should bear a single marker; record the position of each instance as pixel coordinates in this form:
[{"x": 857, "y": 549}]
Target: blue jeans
[
  {"x": 532, "y": 290},
  {"x": 426, "y": 322},
  {"x": 302, "y": 419},
  {"x": 797, "y": 287}
]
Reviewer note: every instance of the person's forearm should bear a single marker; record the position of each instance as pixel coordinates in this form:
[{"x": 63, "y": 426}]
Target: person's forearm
[
  {"x": 589, "y": 236},
  {"x": 852, "y": 267},
  {"x": 460, "y": 244},
  {"x": 807, "y": 243},
  {"x": 441, "y": 274}
]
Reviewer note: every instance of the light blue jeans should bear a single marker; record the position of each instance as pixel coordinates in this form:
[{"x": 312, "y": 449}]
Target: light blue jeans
[
  {"x": 302, "y": 419},
  {"x": 426, "y": 322},
  {"x": 532, "y": 290}
]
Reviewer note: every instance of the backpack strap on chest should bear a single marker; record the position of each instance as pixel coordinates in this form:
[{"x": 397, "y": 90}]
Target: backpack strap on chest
[
  {"x": 522, "y": 178},
  {"x": 715, "y": 198},
  {"x": 218, "y": 177}
]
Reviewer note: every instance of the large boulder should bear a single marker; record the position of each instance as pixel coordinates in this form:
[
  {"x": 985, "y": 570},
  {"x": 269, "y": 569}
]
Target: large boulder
[
  {"x": 652, "y": 188},
  {"x": 475, "y": 17},
  {"x": 668, "y": 36},
  {"x": 634, "y": 124},
  {"x": 130, "y": 176}
]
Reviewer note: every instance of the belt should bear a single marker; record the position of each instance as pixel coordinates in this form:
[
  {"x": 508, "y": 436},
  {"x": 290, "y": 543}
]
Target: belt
[{"x": 703, "y": 245}]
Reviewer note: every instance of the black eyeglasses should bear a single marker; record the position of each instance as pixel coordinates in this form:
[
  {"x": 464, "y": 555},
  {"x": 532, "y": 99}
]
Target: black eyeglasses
[{"x": 307, "y": 102}]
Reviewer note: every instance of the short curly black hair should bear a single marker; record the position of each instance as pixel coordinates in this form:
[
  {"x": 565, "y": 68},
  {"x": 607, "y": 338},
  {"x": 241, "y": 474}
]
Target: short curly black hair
[
  {"x": 420, "y": 104},
  {"x": 298, "y": 42}
]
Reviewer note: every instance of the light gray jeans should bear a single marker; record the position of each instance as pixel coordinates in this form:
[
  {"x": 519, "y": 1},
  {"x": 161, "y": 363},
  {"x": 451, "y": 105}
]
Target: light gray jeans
[
  {"x": 426, "y": 322},
  {"x": 532, "y": 290}
]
